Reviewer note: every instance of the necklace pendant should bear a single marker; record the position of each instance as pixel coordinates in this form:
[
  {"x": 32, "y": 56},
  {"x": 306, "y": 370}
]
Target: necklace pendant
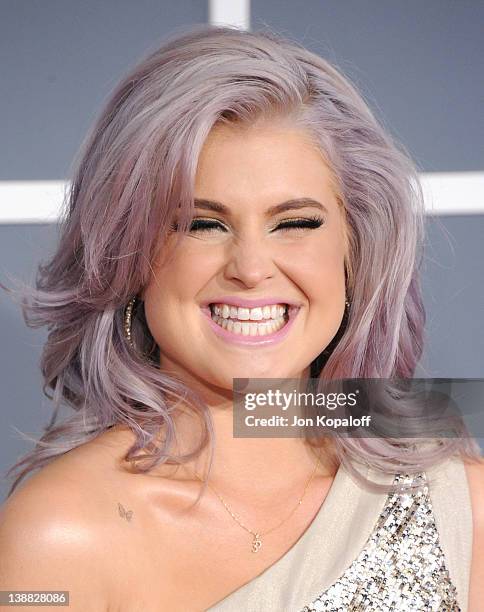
[{"x": 256, "y": 543}]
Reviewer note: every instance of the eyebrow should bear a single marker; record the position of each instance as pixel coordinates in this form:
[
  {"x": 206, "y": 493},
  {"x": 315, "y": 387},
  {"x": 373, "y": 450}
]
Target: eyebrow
[{"x": 293, "y": 204}]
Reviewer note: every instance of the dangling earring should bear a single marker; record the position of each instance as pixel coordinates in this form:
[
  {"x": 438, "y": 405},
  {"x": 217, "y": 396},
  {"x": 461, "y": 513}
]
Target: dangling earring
[
  {"x": 127, "y": 321},
  {"x": 318, "y": 363}
]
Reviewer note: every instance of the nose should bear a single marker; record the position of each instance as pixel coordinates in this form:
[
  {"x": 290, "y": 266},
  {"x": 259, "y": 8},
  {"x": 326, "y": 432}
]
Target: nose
[{"x": 249, "y": 262}]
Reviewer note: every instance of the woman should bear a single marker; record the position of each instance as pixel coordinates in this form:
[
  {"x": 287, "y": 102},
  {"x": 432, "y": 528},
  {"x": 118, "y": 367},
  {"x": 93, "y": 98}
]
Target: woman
[{"x": 236, "y": 212}]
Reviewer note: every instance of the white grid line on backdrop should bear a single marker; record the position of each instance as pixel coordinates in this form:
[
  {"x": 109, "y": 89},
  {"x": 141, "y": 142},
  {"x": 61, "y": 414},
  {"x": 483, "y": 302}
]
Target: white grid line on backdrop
[
  {"x": 446, "y": 193},
  {"x": 229, "y": 12}
]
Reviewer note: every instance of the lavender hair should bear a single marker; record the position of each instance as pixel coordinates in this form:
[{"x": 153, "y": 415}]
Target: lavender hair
[{"x": 137, "y": 168}]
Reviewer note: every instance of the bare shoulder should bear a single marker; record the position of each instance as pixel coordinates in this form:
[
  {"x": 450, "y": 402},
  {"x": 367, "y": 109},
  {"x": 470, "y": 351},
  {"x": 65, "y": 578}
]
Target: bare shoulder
[
  {"x": 57, "y": 531},
  {"x": 475, "y": 479},
  {"x": 47, "y": 543}
]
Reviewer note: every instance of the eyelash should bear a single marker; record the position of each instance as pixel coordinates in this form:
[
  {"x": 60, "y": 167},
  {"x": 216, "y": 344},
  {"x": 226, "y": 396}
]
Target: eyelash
[{"x": 207, "y": 225}]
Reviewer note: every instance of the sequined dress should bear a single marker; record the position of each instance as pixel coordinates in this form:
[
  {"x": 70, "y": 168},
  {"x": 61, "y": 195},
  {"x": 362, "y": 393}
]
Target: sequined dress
[{"x": 402, "y": 552}]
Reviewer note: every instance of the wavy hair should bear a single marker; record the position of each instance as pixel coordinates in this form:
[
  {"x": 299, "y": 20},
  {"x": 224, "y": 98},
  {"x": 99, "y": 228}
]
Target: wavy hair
[{"x": 136, "y": 170}]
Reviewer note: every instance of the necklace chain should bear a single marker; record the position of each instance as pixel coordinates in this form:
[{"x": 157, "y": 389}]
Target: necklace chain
[{"x": 257, "y": 542}]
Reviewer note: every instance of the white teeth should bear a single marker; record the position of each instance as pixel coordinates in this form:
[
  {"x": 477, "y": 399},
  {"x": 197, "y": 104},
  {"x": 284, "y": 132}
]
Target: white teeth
[
  {"x": 226, "y": 311},
  {"x": 256, "y": 314},
  {"x": 250, "y": 329},
  {"x": 242, "y": 321},
  {"x": 243, "y": 314}
]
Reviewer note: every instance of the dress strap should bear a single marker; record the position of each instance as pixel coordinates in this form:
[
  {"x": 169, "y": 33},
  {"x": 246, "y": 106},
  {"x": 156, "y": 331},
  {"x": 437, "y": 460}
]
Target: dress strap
[{"x": 451, "y": 502}]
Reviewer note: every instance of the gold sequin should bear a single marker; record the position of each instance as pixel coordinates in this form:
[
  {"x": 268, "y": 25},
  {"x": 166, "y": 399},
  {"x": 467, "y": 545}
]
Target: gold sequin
[{"x": 401, "y": 567}]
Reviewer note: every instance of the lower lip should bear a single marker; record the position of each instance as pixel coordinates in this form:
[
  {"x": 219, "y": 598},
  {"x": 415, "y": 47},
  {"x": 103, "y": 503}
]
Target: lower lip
[{"x": 267, "y": 340}]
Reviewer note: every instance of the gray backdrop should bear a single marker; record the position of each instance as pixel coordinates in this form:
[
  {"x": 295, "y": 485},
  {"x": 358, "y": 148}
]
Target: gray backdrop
[{"x": 419, "y": 65}]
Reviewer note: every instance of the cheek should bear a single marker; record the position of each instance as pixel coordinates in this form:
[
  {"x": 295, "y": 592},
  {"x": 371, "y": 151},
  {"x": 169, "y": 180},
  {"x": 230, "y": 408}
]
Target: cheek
[
  {"x": 320, "y": 267},
  {"x": 173, "y": 292},
  {"x": 179, "y": 279}
]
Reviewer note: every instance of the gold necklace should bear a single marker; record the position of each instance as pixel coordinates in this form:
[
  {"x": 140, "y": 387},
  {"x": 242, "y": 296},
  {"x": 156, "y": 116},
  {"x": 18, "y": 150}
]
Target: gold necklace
[{"x": 256, "y": 541}]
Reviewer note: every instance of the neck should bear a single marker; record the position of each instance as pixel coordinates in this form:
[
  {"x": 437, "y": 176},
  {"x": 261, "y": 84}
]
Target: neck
[{"x": 249, "y": 467}]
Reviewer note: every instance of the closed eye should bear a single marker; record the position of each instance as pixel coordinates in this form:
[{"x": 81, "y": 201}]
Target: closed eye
[
  {"x": 309, "y": 223},
  {"x": 209, "y": 225}
]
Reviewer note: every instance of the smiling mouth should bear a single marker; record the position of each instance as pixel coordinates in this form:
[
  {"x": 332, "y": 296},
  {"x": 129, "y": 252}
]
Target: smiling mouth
[{"x": 256, "y": 322}]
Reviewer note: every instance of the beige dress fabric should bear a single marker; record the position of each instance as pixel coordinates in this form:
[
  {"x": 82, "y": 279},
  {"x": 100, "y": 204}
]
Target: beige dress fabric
[{"x": 340, "y": 531}]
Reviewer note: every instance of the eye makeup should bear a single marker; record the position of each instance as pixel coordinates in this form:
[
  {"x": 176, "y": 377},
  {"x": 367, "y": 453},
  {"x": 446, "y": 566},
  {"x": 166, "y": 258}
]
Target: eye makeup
[{"x": 205, "y": 225}]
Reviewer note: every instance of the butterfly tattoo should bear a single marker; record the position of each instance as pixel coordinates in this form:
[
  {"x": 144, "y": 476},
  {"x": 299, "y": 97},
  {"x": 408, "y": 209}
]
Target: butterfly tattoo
[{"x": 123, "y": 513}]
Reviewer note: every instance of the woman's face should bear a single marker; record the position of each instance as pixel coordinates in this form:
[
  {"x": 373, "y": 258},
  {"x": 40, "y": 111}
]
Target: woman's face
[{"x": 247, "y": 252}]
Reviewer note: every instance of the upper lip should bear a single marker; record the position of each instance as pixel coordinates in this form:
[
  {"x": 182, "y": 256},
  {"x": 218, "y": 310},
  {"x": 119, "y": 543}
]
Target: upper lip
[{"x": 233, "y": 300}]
